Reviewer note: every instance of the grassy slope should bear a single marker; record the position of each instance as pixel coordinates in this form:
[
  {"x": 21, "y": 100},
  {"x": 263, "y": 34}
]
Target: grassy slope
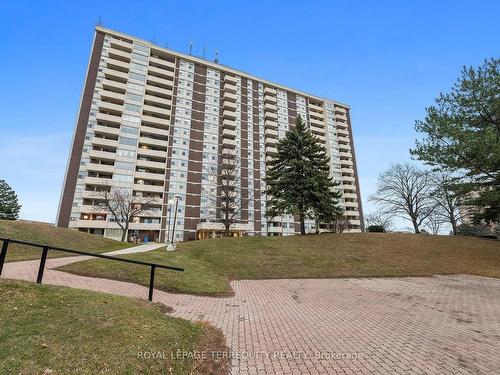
[
  {"x": 72, "y": 331},
  {"x": 211, "y": 263},
  {"x": 48, "y": 234}
]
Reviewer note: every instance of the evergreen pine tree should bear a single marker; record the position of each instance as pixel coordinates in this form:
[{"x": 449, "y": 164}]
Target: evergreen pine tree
[
  {"x": 298, "y": 179},
  {"x": 9, "y": 206}
]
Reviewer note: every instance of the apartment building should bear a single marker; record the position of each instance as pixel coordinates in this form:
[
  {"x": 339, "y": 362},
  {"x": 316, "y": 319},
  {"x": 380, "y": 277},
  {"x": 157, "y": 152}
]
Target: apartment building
[{"x": 155, "y": 122}]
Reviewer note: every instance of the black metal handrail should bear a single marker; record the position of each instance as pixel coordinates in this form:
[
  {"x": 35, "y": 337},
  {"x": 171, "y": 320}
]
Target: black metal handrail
[{"x": 45, "y": 249}]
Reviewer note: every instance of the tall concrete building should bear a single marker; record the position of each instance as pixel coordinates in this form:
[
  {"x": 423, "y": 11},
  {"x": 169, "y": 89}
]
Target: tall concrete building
[{"x": 155, "y": 122}]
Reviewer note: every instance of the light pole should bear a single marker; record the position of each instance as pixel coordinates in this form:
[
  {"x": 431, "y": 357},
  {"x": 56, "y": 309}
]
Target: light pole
[
  {"x": 170, "y": 201},
  {"x": 175, "y": 216}
]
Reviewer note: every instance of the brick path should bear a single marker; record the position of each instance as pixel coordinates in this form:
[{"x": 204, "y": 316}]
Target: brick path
[{"x": 441, "y": 325}]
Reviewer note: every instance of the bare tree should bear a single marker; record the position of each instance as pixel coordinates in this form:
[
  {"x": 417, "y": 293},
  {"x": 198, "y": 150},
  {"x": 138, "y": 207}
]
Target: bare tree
[
  {"x": 124, "y": 206},
  {"x": 435, "y": 221},
  {"x": 379, "y": 219},
  {"x": 228, "y": 202},
  {"x": 339, "y": 224},
  {"x": 405, "y": 191},
  {"x": 446, "y": 199}
]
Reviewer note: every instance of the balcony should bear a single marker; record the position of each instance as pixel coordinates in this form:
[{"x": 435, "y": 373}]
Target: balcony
[
  {"x": 159, "y": 72},
  {"x": 110, "y": 107},
  {"x": 270, "y": 99},
  {"x": 315, "y": 108},
  {"x": 230, "y": 97},
  {"x": 228, "y": 124},
  {"x": 270, "y": 107},
  {"x": 150, "y": 164},
  {"x": 348, "y": 178},
  {"x": 229, "y": 133},
  {"x": 271, "y": 150},
  {"x": 102, "y": 155},
  {"x": 100, "y": 168},
  {"x": 166, "y": 93},
  {"x": 162, "y": 102},
  {"x": 150, "y": 176},
  {"x": 112, "y": 96},
  {"x": 350, "y": 195},
  {"x": 230, "y": 79},
  {"x": 155, "y": 131},
  {"x": 346, "y": 163},
  {"x": 115, "y": 75},
  {"x": 149, "y": 188},
  {"x": 156, "y": 120},
  {"x": 111, "y": 119},
  {"x": 98, "y": 181},
  {"x": 99, "y": 129},
  {"x": 343, "y": 132},
  {"x": 153, "y": 142},
  {"x": 271, "y": 141},
  {"x": 271, "y": 116},
  {"x": 229, "y": 114},
  {"x": 121, "y": 45},
  {"x": 165, "y": 113},
  {"x": 270, "y": 90},
  {"x": 270, "y": 124},
  {"x": 104, "y": 142},
  {"x": 163, "y": 63},
  {"x": 229, "y": 87},
  {"x": 228, "y": 143},
  {"x": 160, "y": 82},
  {"x": 316, "y": 123},
  {"x": 271, "y": 133},
  {"x": 118, "y": 54},
  {"x": 341, "y": 117},
  {"x": 118, "y": 65},
  {"x": 152, "y": 153},
  {"x": 229, "y": 105}
]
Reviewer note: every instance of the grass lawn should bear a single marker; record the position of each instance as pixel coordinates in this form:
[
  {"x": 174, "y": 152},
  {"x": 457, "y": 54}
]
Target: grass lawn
[
  {"x": 211, "y": 264},
  {"x": 72, "y": 331},
  {"x": 48, "y": 234}
]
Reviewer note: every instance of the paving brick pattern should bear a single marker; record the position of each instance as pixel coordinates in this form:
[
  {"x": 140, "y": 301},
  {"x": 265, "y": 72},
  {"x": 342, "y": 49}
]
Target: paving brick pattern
[{"x": 438, "y": 325}]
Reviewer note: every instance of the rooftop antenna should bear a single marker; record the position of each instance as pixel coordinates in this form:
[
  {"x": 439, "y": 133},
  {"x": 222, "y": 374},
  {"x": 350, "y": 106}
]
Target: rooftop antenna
[
  {"x": 216, "y": 60},
  {"x": 99, "y": 23},
  {"x": 166, "y": 43},
  {"x": 191, "y": 48},
  {"x": 204, "y": 52},
  {"x": 154, "y": 39}
]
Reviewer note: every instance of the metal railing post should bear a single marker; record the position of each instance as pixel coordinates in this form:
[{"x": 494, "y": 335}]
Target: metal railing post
[
  {"x": 3, "y": 254},
  {"x": 152, "y": 282},
  {"x": 42, "y": 264}
]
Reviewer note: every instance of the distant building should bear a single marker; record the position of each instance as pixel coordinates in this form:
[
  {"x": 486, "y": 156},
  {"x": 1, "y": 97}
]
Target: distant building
[{"x": 155, "y": 121}]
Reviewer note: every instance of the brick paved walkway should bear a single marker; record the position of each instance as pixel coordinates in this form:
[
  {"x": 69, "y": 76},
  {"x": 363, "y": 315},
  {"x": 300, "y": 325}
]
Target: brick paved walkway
[{"x": 441, "y": 325}]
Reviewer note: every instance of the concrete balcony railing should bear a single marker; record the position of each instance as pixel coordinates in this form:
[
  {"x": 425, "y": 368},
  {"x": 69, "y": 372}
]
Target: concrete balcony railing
[
  {"x": 149, "y": 188},
  {"x": 114, "y": 86},
  {"x": 119, "y": 65},
  {"x": 270, "y": 150},
  {"x": 271, "y": 116},
  {"x": 165, "y": 92},
  {"x": 229, "y": 133},
  {"x": 229, "y": 114},
  {"x": 270, "y": 99},
  {"x": 120, "y": 44},
  {"x": 162, "y": 73},
  {"x": 118, "y": 54},
  {"x": 160, "y": 82},
  {"x": 110, "y": 107},
  {"x": 230, "y": 97},
  {"x": 228, "y": 124},
  {"x": 167, "y": 64},
  {"x": 156, "y": 110},
  {"x": 271, "y": 142},
  {"x": 317, "y": 123},
  {"x": 350, "y": 195},
  {"x": 104, "y": 142},
  {"x": 157, "y": 100},
  {"x": 153, "y": 153},
  {"x": 153, "y": 142},
  {"x": 154, "y": 131},
  {"x": 228, "y": 143},
  {"x": 150, "y": 164},
  {"x": 150, "y": 176},
  {"x": 156, "y": 120},
  {"x": 115, "y": 75},
  {"x": 341, "y": 117},
  {"x": 102, "y": 155},
  {"x": 269, "y": 90},
  {"x": 343, "y": 132},
  {"x": 100, "y": 168},
  {"x": 230, "y": 79},
  {"x": 270, "y": 124},
  {"x": 270, "y": 107},
  {"x": 315, "y": 108},
  {"x": 112, "y": 95},
  {"x": 229, "y": 87},
  {"x": 229, "y": 105},
  {"x": 100, "y": 129},
  {"x": 271, "y": 133}
]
